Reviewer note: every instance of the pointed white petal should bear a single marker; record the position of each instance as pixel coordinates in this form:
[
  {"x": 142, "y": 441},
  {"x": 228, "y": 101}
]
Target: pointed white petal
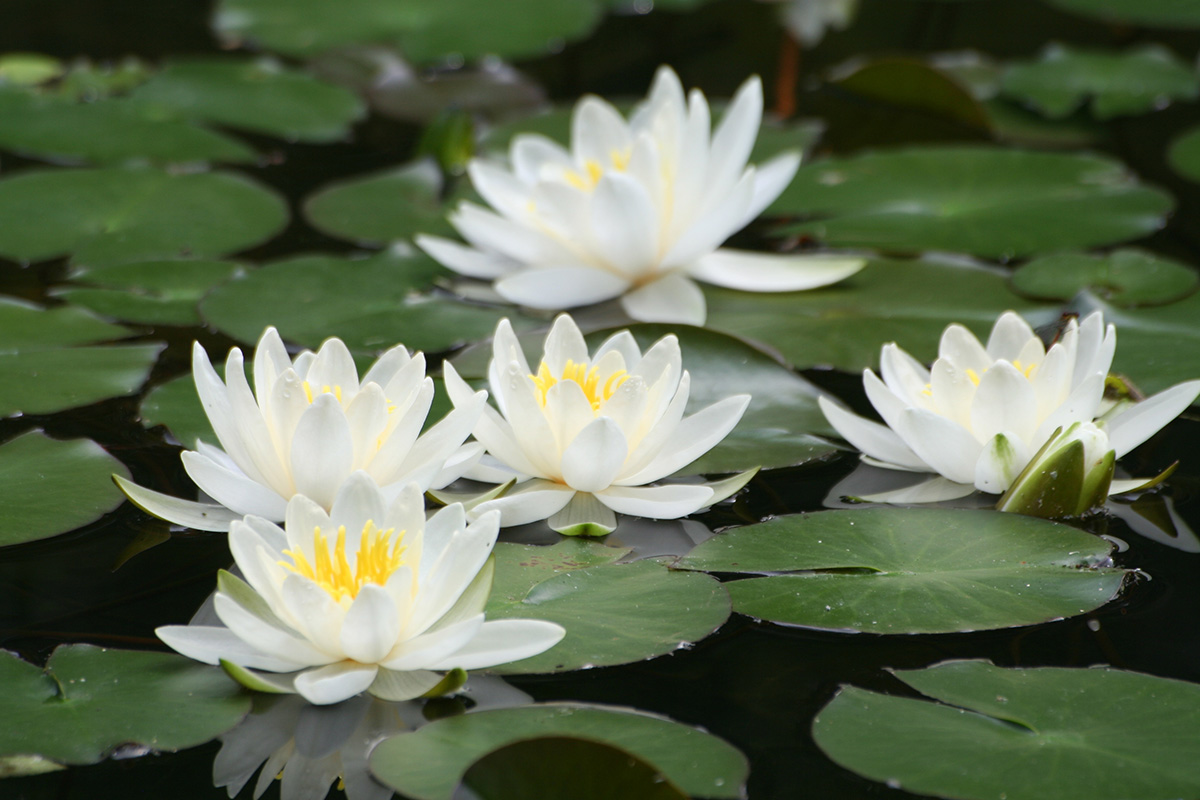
[
  {"x": 335, "y": 683},
  {"x": 772, "y": 272},
  {"x": 625, "y": 224},
  {"x": 231, "y": 489},
  {"x": 564, "y": 343},
  {"x": 1009, "y": 335},
  {"x": 371, "y": 625},
  {"x": 398, "y": 686},
  {"x": 502, "y": 641},
  {"x": 770, "y": 179},
  {"x": 211, "y": 644},
  {"x": 673, "y": 298},
  {"x": 423, "y": 651},
  {"x": 1143, "y": 420},
  {"x": 533, "y": 154},
  {"x": 657, "y": 502},
  {"x": 534, "y": 501},
  {"x": 947, "y": 447},
  {"x": 591, "y": 462},
  {"x": 265, "y": 636},
  {"x": 960, "y": 347},
  {"x": 1004, "y": 402},
  {"x": 561, "y": 287},
  {"x": 694, "y": 437},
  {"x": 871, "y": 438},
  {"x": 1000, "y": 462},
  {"x": 322, "y": 450},
  {"x": 190, "y": 514}
]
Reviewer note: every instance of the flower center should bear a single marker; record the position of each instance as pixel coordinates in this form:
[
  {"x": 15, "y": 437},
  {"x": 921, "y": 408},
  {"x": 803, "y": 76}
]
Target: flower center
[
  {"x": 336, "y": 391},
  {"x": 587, "y": 378},
  {"x": 586, "y": 179},
  {"x": 379, "y": 555}
]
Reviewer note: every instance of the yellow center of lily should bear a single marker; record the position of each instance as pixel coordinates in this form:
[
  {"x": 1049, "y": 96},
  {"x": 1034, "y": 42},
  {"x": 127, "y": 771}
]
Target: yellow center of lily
[
  {"x": 587, "y": 378},
  {"x": 336, "y": 391},
  {"x": 379, "y": 555},
  {"x": 586, "y": 179}
]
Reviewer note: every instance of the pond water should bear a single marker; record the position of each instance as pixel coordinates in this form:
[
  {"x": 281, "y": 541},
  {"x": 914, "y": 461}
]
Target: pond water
[{"x": 756, "y": 684}]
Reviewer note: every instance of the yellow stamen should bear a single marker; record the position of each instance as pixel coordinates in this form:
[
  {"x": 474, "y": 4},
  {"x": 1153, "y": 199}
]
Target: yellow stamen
[
  {"x": 1027, "y": 371},
  {"x": 336, "y": 391},
  {"x": 973, "y": 375},
  {"x": 377, "y": 558},
  {"x": 588, "y": 380},
  {"x": 586, "y": 179}
]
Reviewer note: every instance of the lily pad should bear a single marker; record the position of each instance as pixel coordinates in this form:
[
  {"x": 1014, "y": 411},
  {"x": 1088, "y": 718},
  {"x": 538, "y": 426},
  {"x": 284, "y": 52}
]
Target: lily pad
[
  {"x": 52, "y": 486},
  {"x": 40, "y": 371},
  {"x": 887, "y": 570},
  {"x": 396, "y": 204},
  {"x": 1021, "y": 734},
  {"x": 1126, "y": 277},
  {"x": 844, "y": 326},
  {"x": 427, "y": 30},
  {"x": 985, "y": 201},
  {"x": 106, "y": 132},
  {"x": 1155, "y": 13},
  {"x": 428, "y": 763},
  {"x": 1064, "y": 78},
  {"x": 90, "y": 700},
  {"x": 252, "y": 94},
  {"x": 105, "y": 216},
  {"x": 613, "y": 613},
  {"x": 370, "y": 303},
  {"x": 148, "y": 292},
  {"x": 1184, "y": 154}
]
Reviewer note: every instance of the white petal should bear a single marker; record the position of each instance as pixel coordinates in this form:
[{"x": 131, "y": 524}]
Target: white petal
[
  {"x": 1134, "y": 426},
  {"x": 591, "y": 462},
  {"x": 1000, "y": 462},
  {"x": 357, "y": 500},
  {"x": 398, "y": 440},
  {"x": 871, "y": 438},
  {"x": 391, "y": 364},
  {"x": 564, "y": 343},
  {"x": 561, "y": 287},
  {"x": 466, "y": 260},
  {"x": 568, "y": 411},
  {"x": 399, "y": 686},
  {"x": 625, "y": 224},
  {"x": 333, "y": 367},
  {"x": 906, "y": 377},
  {"x": 656, "y": 502},
  {"x": 190, "y": 514},
  {"x": 1004, "y": 402},
  {"x": 433, "y": 647},
  {"x": 322, "y": 450},
  {"x": 531, "y": 154},
  {"x": 491, "y": 429},
  {"x": 960, "y": 347},
  {"x": 735, "y": 135},
  {"x": 1009, "y": 335},
  {"x": 535, "y": 500},
  {"x": 504, "y": 640},
  {"x": 694, "y": 437},
  {"x": 673, "y": 298},
  {"x": 431, "y": 450},
  {"x": 231, "y": 489},
  {"x": 335, "y": 683},
  {"x": 948, "y": 448},
  {"x": 714, "y": 226},
  {"x": 265, "y": 636},
  {"x": 271, "y": 360},
  {"x": 952, "y": 391},
  {"x": 211, "y": 644},
  {"x": 584, "y": 516},
  {"x": 492, "y": 232},
  {"x": 371, "y": 626},
  {"x": 313, "y": 612},
  {"x": 214, "y": 398},
  {"x": 621, "y": 342},
  {"x": 251, "y": 427},
  {"x": 1081, "y": 406},
  {"x": 597, "y": 130},
  {"x": 528, "y": 420},
  {"x": 772, "y": 272},
  {"x": 500, "y": 188},
  {"x": 770, "y": 179}
]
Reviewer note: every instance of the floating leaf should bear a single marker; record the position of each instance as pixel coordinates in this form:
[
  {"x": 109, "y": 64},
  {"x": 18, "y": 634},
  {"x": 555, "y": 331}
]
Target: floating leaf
[
  {"x": 106, "y": 132},
  {"x": 1184, "y": 154},
  {"x": 104, "y": 216},
  {"x": 90, "y": 700},
  {"x": 986, "y": 201},
  {"x": 396, "y": 204},
  {"x": 845, "y": 325},
  {"x": 252, "y": 94},
  {"x": 1064, "y": 78},
  {"x": 52, "y": 486},
  {"x": 426, "y": 30},
  {"x": 40, "y": 372},
  {"x": 1021, "y": 734},
  {"x": 148, "y": 292},
  {"x": 428, "y": 763},
  {"x": 1157, "y": 13},
  {"x": 889, "y": 570},
  {"x": 613, "y": 613},
  {"x": 1126, "y": 277}
]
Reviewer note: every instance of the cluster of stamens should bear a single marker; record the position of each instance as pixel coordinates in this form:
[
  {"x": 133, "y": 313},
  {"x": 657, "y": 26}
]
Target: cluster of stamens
[
  {"x": 379, "y": 555},
  {"x": 587, "y": 378}
]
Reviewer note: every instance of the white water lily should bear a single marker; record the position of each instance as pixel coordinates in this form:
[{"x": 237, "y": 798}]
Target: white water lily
[
  {"x": 635, "y": 209},
  {"x": 365, "y": 597},
  {"x": 587, "y": 432},
  {"x": 808, "y": 20},
  {"x": 308, "y": 424},
  {"x": 980, "y": 414}
]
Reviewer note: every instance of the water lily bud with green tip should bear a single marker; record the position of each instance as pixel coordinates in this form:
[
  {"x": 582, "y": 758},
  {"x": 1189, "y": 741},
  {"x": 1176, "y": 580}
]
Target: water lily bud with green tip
[{"x": 1068, "y": 477}]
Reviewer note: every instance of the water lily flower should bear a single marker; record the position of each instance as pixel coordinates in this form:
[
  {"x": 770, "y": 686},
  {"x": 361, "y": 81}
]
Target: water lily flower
[
  {"x": 979, "y": 415},
  {"x": 587, "y": 432},
  {"x": 635, "y": 209},
  {"x": 808, "y": 20},
  {"x": 365, "y": 597},
  {"x": 309, "y": 423}
]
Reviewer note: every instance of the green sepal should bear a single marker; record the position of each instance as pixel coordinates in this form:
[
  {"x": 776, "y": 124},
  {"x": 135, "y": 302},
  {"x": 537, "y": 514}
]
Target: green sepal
[
  {"x": 1048, "y": 487},
  {"x": 257, "y": 681},
  {"x": 469, "y": 499},
  {"x": 453, "y": 680}
]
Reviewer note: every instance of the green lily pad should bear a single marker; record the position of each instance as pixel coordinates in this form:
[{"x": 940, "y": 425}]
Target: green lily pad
[
  {"x": 1126, "y": 277},
  {"x": 613, "y": 613},
  {"x": 370, "y": 303},
  {"x": 566, "y": 768},
  {"x": 985, "y": 201},
  {"x": 1064, "y": 78},
  {"x": 1184, "y": 154},
  {"x": 106, "y": 132},
  {"x": 845, "y": 325},
  {"x": 89, "y": 701},
  {"x": 148, "y": 292},
  {"x": 390, "y": 205},
  {"x": 40, "y": 371},
  {"x": 52, "y": 486},
  {"x": 105, "y": 216},
  {"x": 1155, "y": 13},
  {"x": 1156, "y": 347},
  {"x": 1021, "y": 734},
  {"x": 427, "y": 30},
  {"x": 911, "y": 570},
  {"x": 252, "y": 94},
  {"x": 428, "y": 763}
]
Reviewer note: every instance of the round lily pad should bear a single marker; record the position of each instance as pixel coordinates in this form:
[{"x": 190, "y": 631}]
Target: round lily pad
[
  {"x": 613, "y": 613},
  {"x": 427, "y": 30},
  {"x": 105, "y": 216},
  {"x": 1021, "y": 734},
  {"x": 148, "y": 292},
  {"x": 52, "y": 486},
  {"x": 1155, "y": 13},
  {"x": 370, "y": 303},
  {"x": 845, "y": 325},
  {"x": 1064, "y": 78},
  {"x": 1126, "y": 277},
  {"x": 106, "y": 132},
  {"x": 986, "y": 201},
  {"x": 90, "y": 700},
  {"x": 396, "y": 204},
  {"x": 41, "y": 372},
  {"x": 911, "y": 570},
  {"x": 428, "y": 763},
  {"x": 254, "y": 95},
  {"x": 1184, "y": 154}
]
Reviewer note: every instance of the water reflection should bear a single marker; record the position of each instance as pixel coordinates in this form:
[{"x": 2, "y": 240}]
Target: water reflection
[
  {"x": 644, "y": 538},
  {"x": 307, "y": 748}
]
